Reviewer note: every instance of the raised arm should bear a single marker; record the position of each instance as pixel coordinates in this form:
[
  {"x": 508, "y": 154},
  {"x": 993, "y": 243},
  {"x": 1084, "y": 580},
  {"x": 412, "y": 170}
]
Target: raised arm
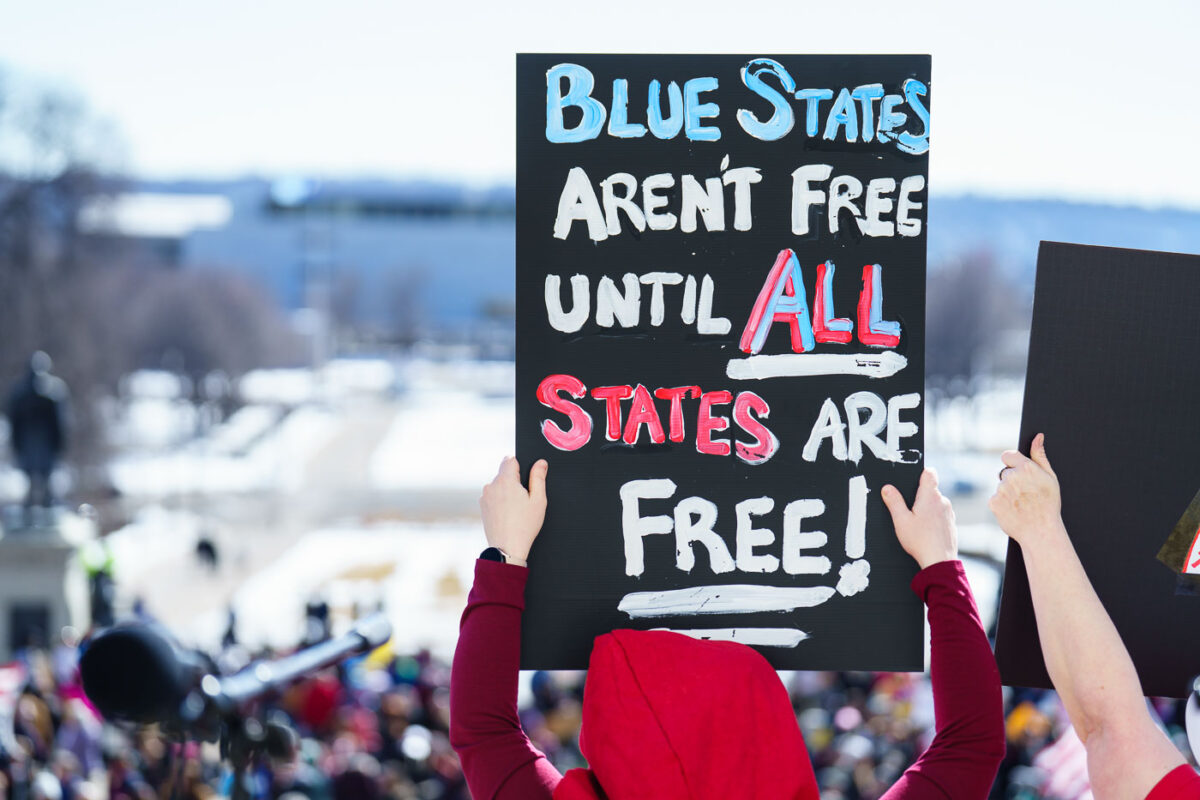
[
  {"x": 1088, "y": 663},
  {"x": 499, "y": 761},
  {"x": 961, "y": 762}
]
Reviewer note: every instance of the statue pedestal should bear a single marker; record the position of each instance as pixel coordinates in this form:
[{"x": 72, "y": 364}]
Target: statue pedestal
[{"x": 43, "y": 587}]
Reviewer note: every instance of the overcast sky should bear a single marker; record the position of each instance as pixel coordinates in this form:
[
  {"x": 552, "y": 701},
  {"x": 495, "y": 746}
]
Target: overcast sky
[{"x": 1095, "y": 100}]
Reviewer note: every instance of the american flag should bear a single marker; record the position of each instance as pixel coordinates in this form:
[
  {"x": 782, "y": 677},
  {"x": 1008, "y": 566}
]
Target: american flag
[{"x": 1065, "y": 765}]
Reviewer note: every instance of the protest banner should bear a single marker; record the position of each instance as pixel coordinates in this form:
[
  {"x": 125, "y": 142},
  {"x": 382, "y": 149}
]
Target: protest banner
[
  {"x": 720, "y": 349},
  {"x": 1112, "y": 383}
]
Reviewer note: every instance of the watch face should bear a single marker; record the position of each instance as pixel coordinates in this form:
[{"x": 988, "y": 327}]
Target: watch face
[{"x": 493, "y": 554}]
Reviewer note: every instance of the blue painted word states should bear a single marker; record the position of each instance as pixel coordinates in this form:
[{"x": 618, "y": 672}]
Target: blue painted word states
[
  {"x": 850, "y": 116},
  {"x": 864, "y": 113},
  {"x": 880, "y": 207}
]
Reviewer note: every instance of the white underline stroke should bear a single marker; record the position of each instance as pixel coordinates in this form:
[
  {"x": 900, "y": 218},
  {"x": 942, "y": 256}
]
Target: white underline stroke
[
  {"x": 759, "y": 637},
  {"x": 803, "y": 365},
  {"x": 731, "y": 599}
]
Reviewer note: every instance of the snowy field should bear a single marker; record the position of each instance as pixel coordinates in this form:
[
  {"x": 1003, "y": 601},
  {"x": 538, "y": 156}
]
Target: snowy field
[
  {"x": 453, "y": 426},
  {"x": 418, "y": 573},
  {"x": 257, "y": 449},
  {"x": 447, "y": 439}
]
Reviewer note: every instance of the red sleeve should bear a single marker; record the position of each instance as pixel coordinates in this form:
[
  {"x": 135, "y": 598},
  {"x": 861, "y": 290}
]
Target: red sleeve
[
  {"x": 961, "y": 762},
  {"x": 1181, "y": 783},
  {"x": 499, "y": 761}
]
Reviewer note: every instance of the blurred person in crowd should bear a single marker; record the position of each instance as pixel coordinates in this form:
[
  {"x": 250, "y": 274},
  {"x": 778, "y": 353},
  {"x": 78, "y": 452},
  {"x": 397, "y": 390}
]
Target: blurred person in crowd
[
  {"x": 45, "y": 786},
  {"x": 229, "y": 638},
  {"x": 79, "y": 735},
  {"x": 36, "y": 412},
  {"x": 207, "y": 554},
  {"x": 99, "y": 565},
  {"x": 68, "y": 771},
  {"x": 1128, "y": 757},
  {"x": 64, "y": 658},
  {"x": 649, "y": 736},
  {"x": 124, "y": 780},
  {"x": 316, "y": 621},
  {"x": 34, "y": 724}
]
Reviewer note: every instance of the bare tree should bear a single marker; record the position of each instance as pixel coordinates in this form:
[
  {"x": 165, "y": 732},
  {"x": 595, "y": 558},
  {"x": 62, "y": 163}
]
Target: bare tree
[
  {"x": 201, "y": 321},
  {"x": 407, "y": 287},
  {"x": 970, "y": 303},
  {"x": 95, "y": 302},
  {"x": 345, "y": 297},
  {"x": 52, "y": 167}
]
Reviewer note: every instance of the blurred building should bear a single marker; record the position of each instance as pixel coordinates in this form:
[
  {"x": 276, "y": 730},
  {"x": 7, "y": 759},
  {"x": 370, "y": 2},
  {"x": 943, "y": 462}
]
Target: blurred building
[
  {"x": 398, "y": 262},
  {"x": 403, "y": 262}
]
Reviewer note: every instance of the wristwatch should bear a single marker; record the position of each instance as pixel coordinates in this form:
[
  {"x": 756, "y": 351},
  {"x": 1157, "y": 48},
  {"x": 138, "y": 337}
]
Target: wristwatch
[{"x": 494, "y": 554}]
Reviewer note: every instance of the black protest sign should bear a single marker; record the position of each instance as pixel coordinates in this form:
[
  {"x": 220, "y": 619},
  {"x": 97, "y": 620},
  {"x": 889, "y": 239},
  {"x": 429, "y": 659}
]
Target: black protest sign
[
  {"x": 720, "y": 349},
  {"x": 1112, "y": 383}
]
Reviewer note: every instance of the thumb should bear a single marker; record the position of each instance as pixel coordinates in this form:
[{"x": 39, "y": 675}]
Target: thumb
[
  {"x": 929, "y": 478},
  {"x": 894, "y": 501},
  {"x": 928, "y": 483},
  {"x": 1037, "y": 452},
  {"x": 510, "y": 469},
  {"x": 537, "y": 480}
]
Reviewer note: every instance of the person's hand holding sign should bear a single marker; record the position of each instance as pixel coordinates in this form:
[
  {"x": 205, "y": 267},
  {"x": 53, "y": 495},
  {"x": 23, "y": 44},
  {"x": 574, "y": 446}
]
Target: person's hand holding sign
[
  {"x": 927, "y": 532},
  {"x": 1028, "y": 498},
  {"x": 512, "y": 515},
  {"x": 1128, "y": 756}
]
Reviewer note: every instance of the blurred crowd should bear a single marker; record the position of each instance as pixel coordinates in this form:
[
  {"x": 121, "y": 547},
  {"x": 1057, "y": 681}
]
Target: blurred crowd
[
  {"x": 374, "y": 727},
  {"x": 377, "y": 727},
  {"x": 863, "y": 729}
]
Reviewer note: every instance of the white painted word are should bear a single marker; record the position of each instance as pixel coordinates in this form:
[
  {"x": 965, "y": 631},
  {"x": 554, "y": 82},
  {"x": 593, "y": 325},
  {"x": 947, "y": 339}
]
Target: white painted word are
[{"x": 848, "y": 437}]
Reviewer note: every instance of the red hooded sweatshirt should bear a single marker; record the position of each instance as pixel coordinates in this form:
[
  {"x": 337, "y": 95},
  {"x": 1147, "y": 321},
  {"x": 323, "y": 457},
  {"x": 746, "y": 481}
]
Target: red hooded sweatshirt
[{"x": 666, "y": 717}]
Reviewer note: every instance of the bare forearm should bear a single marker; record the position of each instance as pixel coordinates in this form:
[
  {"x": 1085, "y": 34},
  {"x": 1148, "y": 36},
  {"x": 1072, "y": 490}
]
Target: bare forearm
[{"x": 1086, "y": 659}]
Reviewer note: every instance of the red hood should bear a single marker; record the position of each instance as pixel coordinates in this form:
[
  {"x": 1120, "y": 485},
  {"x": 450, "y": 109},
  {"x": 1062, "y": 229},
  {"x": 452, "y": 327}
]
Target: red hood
[{"x": 669, "y": 717}]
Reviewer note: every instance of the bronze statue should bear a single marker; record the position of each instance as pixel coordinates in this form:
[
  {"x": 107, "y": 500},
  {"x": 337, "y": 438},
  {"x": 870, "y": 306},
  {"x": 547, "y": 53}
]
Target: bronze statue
[{"x": 36, "y": 411}]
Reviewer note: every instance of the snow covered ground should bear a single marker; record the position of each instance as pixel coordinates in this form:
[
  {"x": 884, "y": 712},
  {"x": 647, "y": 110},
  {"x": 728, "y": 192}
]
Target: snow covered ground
[
  {"x": 444, "y": 439},
  {"x": 419, "y": 573},
  {"x": 276, "y": 444}
]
